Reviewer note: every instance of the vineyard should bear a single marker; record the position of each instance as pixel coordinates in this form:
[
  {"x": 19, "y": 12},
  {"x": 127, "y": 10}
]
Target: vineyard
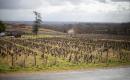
[{"x": 61, "y": 51}]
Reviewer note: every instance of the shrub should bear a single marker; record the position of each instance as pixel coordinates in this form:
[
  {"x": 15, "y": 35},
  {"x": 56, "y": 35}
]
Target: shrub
[{"x": 2, "y": 27}]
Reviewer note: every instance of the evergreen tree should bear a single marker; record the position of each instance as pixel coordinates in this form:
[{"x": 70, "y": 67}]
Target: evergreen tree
[
  {"x": 37, "y": 22},
  {"x": 2, "y": 26}
]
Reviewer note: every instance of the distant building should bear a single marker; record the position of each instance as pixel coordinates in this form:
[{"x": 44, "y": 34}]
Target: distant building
[
  {"x": 71, "y": 31},
  {"x": 16, "y": 34},
  {"x": 2, "y": 34}
]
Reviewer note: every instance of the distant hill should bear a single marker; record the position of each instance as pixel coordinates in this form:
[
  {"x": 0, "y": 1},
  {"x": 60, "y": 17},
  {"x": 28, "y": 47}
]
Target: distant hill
[
  {"x": 83, "y": 27},
  {"x": 97, "y": 28}
]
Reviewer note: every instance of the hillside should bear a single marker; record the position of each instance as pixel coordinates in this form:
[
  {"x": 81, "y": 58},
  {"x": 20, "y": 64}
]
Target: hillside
[{"x": 28, "y": 29}]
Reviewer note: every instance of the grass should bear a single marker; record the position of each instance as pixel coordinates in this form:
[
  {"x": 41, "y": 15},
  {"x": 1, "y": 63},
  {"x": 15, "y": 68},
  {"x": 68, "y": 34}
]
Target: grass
[
  {"x": 61, "y": 66},
  {"x": 55, "y": 64},
  {"x": 37, "y": 36}
]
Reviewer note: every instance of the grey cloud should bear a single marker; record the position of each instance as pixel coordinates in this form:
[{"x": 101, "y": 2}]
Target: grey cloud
[
  {"x": 113, "y": 0},
  {"x": 119, "y": 0},
  {"x": 33, "y": 4},
  {"x": 75, "y": 2},
  {"x": 91, "y": 17},
  {"x": 102, "y": 0},
  {"x": 19, "y": 4},
  {"x": 61, "y": 2},
  {"x": 14, "y": 15}
]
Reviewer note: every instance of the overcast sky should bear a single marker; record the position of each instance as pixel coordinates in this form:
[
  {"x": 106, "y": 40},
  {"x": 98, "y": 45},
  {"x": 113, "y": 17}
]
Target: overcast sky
[{"x": 66, "y": 10}]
